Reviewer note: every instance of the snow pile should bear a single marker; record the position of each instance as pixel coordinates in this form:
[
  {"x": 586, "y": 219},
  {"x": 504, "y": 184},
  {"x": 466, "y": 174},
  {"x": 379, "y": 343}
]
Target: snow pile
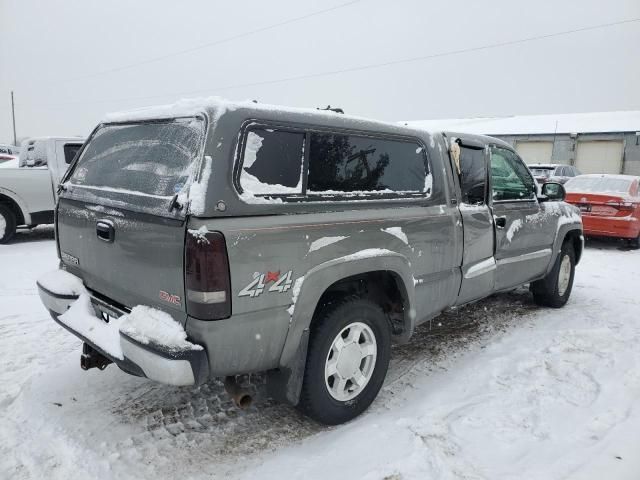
[
  {"x": 144, "y": 324},
  {"x": 82, "y": 319},
  {"x": 198, "y": 190},
  {"x": 61, "y": 282},
  {"x": 323, "y": 242},
  {"x": 513, "y": 228},
  {"x": 428, "y": 184},
  {"x": 367, "y": 253},
  {"x": 149, "y": 325},
  {"x": 295, "y": 291},
  {"x": 251, "y": 149},
  {"x": 397, "y": 232},
  {"x": 252, "y": 186},
  {"x": 182, "y": 108},
  {"x": 249, "y": 197},
  {"x": 200, "y": 234}
]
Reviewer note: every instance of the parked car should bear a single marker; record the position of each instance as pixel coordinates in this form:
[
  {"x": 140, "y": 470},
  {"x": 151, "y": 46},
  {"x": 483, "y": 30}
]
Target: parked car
[
  {"x": 28, "y": 187},
  {"x": 9, "y": 150},
  {"x": 216, "y": 239},
  {"x": 610, "y": 205},
  {"x": 553, "y": 172}
]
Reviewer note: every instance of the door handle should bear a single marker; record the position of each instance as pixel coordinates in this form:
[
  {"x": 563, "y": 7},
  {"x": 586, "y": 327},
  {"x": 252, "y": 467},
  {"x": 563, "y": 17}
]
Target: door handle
[
  {"x": 105, "y": 231},
  {"x": 501, "y": 222}
]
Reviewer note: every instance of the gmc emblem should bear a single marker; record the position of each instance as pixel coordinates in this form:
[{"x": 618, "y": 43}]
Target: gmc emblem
[{"x": 167, "y": 297}]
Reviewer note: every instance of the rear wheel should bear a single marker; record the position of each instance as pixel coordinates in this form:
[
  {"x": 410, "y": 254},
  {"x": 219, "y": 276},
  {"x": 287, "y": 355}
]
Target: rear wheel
[
  {"x": 7, "y": 224},
  {"x": 554, "y": 289},
  {"x": 635, "y": 242},
  {"x": 347, "y": 361}
]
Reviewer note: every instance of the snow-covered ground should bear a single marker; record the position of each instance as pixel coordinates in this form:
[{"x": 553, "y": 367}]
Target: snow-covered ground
[{"x": 501, "y": 389}]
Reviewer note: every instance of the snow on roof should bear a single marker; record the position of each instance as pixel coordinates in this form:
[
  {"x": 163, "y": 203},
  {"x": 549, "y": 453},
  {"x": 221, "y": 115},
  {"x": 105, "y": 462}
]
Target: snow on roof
[
  {"x": 194, "y": 106},
  {"x": 596, "y": 122},
  {"x": 29, "y": 140}
]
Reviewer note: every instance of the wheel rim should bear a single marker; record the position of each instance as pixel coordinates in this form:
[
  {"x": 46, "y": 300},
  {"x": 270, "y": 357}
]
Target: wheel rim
[
  {"x": 564, "y": 275},
  {"x": 350, "y": 361}
]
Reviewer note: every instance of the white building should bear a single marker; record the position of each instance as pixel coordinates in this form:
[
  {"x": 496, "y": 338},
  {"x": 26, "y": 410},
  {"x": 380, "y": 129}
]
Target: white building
[{"x": 599, "y": 142}]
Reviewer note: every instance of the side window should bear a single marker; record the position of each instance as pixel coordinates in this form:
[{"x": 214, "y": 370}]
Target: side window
[
  {"x": 354, "y": 164},
  {"x": 35, "y": 155},
  {"x": 473, "y": 175},
  {"x": 561, "y": 172},
  {"x": 70, "y": 150},
  {"x": 272, "y": 162},
  {"x": 510, "y": 179}
]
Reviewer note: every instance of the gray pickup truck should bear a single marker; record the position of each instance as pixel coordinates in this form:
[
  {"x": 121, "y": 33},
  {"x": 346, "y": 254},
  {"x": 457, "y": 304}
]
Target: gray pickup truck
[{"x": 214, "y": 239}]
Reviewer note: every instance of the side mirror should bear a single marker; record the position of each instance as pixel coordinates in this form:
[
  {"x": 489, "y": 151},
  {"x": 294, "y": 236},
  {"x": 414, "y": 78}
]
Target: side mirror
[{"x": 552, "y": 191}]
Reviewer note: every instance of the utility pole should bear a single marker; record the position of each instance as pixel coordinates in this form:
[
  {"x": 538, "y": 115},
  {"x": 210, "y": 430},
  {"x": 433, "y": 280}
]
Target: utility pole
[{"x": 13, "y": 117}]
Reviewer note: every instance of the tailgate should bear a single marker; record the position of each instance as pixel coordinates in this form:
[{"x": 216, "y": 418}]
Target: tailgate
[
  {"x": 116, "y": 225},
  {"x": 128, "y": 257}
]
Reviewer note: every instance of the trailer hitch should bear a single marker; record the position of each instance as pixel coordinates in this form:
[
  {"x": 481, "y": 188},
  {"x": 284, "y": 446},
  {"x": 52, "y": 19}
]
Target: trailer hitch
[{"x": 91, "y": 358}]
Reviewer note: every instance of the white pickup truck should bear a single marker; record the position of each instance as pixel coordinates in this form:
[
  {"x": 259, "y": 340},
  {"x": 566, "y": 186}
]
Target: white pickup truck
[{"x": 28, "y": 191}]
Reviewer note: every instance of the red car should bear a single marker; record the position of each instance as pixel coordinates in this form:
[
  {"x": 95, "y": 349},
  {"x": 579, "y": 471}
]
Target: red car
[{"x": 610, "y": 205}]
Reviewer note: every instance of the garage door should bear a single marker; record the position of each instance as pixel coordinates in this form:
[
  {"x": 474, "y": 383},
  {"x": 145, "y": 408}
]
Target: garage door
[
  {"x": 535, "y": 152},
  {"x": 599, "y": 157}
]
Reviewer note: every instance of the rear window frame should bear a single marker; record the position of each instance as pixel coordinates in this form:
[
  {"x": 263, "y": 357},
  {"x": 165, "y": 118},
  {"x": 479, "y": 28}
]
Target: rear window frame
[
  {"x": 307, "y": 130},
  {"x": 105, "y": 200}
]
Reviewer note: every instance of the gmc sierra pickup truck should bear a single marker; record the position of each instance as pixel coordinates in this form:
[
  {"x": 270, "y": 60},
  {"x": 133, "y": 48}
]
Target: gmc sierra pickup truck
[
  {"x": 214, "y": 239},
  {"x": 28, "y": 189}
]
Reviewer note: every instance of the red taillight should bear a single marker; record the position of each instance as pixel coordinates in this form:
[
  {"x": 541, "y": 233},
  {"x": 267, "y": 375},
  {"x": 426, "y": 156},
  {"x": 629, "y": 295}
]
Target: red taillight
[{"x": 207, "y": 280}]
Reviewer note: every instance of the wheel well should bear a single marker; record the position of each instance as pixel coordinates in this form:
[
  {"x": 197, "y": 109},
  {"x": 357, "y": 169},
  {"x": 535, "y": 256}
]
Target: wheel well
[
  {"x": 13, "y": 206},
  {"x": 575, "y": 237},
  {"x": 382, "y": 287}
]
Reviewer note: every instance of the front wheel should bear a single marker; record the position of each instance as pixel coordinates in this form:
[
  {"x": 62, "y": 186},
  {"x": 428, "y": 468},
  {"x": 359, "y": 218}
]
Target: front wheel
[
  {"x": 348, "y": 357},
  {"x": 554, "y": 289},
  {"x": 7, "y": 224}
]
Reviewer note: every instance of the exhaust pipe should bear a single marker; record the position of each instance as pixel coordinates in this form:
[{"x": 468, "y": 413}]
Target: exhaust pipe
[{"x": 241, "y": 397}]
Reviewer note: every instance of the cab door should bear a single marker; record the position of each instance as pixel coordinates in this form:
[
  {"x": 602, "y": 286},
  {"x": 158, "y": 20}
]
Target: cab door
[
  {"x": 523, "y": 239},
  {"x": 478, "y": 261}
]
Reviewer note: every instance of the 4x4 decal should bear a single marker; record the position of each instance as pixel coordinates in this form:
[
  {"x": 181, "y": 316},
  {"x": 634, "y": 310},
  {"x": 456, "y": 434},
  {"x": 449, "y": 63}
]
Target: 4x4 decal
[{"x": 281, "y": 283}]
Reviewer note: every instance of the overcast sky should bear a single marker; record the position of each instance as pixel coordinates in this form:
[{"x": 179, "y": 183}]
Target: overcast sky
[{"x": 65, "y": 59}]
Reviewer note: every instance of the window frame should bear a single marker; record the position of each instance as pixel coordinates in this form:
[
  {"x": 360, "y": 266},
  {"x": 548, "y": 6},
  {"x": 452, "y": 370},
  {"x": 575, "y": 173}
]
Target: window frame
[
  {"x": 533, "y": 198},
  {"x": 308, "y": 130},
  {"x": 71, "y": 145},
  {"x": 487, "y": 173},
  {"x": 240, "y": 151}
]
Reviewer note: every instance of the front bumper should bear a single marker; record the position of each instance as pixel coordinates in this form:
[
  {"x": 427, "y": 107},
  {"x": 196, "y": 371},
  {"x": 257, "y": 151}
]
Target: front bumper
[{"x": 153, "y": 361}]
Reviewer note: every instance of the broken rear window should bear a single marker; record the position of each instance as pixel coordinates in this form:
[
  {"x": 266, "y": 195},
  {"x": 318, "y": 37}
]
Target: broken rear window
[{"x": 151, "y": 158}]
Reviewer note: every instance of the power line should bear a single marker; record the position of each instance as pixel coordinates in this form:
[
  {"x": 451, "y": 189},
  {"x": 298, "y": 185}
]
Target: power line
[
  {"x": 211, "y": 44},
  {"x": 367, "y": 66}
]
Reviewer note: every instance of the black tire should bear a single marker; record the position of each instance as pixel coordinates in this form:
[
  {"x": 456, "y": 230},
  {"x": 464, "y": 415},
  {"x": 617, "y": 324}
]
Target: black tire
[
  {"x": 8, "y": 220},
  {"x": 546, "y": 291},
  {"x": 315, "y": 399},
  {"x": 635, "y": 242}
]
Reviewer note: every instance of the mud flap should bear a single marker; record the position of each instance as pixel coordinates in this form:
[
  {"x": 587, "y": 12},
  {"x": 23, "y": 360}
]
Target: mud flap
[{"x": 284, "y": 384}]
